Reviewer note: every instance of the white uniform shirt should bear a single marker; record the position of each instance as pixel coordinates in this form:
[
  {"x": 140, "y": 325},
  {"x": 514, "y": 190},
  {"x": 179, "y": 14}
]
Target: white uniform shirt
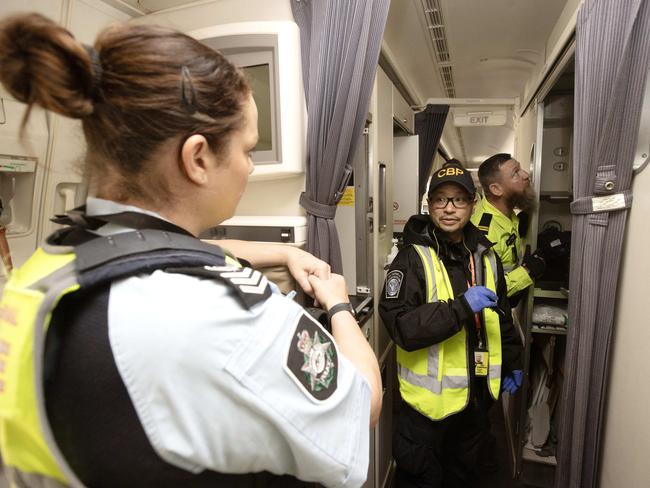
[{"x": 210, "y": 385}]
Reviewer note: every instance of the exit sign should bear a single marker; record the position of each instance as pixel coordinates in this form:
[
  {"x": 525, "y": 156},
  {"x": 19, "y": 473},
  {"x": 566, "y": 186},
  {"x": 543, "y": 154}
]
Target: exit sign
[
  {"x": 479, "y": 119},
  {"x": 468, "y": 118}
]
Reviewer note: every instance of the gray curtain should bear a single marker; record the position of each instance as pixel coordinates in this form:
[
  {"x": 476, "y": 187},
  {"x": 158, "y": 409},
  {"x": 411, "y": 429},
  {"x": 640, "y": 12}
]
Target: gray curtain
[
  {"x": 612, "y": 60},
  {"x": 429, "y": 124},
  {"x": 340, "y": 42}
]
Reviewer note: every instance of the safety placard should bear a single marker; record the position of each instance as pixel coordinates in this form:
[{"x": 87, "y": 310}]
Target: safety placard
[{"x": 347, "y": 200}]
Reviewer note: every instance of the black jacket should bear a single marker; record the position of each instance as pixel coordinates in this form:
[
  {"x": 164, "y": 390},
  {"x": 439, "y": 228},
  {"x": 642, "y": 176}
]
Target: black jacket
[{"x": 415, "y": 324}]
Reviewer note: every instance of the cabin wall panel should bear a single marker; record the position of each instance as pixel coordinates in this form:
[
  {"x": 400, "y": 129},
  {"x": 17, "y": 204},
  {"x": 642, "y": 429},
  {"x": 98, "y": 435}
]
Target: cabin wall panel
[
  {"x": 383, "y": 238},
  {"x": 566, "y": 20},
  {"x": 564, "y": 27},
  {"x": 627, "y": 430},
  {"x": 275, "y": 197},
  {"x": 62, "y": 163},
  {"x": 383, "y": 121},
  {"x": 66, "y": 155},
  {"x": 50, "y": 8},
  {"x": 525, "y": 137}
]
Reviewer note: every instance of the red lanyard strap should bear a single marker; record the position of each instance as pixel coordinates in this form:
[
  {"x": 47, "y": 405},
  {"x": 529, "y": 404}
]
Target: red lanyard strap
[{"x": 477, "y": 318}]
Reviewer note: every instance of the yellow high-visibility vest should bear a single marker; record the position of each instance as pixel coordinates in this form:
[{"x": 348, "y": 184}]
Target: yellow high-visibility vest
[
  {"x": 435, "y": 380},
  {"x": 29, "y": 298}
]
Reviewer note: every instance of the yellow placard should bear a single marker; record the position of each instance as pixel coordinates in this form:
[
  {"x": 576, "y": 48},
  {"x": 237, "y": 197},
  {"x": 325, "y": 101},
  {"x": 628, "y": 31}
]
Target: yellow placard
[{"x": 347, "y": 200}]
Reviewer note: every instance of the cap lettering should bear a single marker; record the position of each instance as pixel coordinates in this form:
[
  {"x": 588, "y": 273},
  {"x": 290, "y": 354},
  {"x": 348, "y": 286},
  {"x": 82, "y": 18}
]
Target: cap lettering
[{"x": 450, "y": 172}]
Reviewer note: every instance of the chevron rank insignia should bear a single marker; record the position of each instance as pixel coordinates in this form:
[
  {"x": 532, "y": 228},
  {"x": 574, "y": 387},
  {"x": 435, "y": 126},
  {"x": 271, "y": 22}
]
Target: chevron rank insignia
[
  {"x": 251, "y": 287},
  {"x": 312, "y": 359}
]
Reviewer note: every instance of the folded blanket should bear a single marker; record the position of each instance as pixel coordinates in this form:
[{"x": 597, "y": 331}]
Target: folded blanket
[{"x": 550, "y": 315}]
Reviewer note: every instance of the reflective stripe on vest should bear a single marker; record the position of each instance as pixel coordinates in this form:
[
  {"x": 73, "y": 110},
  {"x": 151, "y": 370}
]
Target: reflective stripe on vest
[
  {"x": 492, "y": 326},
  {"x": 435, "y": 380}
]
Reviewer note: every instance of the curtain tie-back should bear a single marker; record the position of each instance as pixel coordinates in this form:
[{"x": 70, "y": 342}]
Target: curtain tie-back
[
  {"x": 600, "y": 204},
  {"x": 317, "y": 209}
]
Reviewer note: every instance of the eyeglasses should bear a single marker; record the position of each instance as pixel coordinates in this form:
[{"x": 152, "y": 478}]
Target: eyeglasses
[{"x": 442, "y": 202}]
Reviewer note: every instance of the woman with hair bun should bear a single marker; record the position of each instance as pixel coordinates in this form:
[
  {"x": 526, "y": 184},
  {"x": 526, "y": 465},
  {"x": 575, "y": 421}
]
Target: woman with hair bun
[{"x": 131, "y": 352}]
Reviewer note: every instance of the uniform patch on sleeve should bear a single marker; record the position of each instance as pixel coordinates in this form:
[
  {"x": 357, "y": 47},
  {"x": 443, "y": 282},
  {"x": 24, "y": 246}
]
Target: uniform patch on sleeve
[
  {"x": 394, "y": 283},
  {"x": 312, "y": 359}
]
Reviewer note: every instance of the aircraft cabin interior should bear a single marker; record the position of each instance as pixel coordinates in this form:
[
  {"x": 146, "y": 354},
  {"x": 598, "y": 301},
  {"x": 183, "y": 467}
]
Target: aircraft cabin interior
[{"x": 560, "y": 85}]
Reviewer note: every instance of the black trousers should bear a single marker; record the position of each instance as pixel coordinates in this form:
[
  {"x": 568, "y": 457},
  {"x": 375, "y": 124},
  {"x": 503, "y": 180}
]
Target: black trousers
[{"x": 442, "y": 454}]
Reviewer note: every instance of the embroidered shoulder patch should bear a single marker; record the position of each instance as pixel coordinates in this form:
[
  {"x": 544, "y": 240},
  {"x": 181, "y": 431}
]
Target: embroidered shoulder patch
[
  {"x": 312, "y": 359},
  {"x": 394, "y": 283}
]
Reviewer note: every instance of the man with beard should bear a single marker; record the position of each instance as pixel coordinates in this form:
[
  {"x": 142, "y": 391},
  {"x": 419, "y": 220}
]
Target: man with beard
[
  {"x": 507, "y": 186},
  {"x": 445, "y": 306}
]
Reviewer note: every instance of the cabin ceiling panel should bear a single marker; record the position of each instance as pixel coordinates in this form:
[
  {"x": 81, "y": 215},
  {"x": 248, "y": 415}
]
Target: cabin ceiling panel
[
  {"x": 499, "y": 80},
  {"x": 497, "y": 42},
  {"x": 483, "y": 142},
  {"x": 494, "y": 47}
]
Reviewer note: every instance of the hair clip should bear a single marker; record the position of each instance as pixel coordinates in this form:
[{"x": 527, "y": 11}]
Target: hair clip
[
  {"x": 188, "y": 93},
  {"x": 188, "y": 97},
  {"x": 96, "y": 71}
]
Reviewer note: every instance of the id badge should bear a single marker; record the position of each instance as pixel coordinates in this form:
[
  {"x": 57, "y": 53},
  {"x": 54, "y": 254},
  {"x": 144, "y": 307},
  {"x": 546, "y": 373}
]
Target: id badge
[{"x": 481, "y": 360}]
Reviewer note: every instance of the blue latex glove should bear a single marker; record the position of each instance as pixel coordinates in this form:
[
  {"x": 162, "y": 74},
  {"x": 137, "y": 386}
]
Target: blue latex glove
[
  {"x": 512, "y": 382},
  {"x": 479, "y": 297}
]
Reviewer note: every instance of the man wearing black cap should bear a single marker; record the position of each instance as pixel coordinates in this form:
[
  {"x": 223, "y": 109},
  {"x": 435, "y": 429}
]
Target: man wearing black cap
[{"x": 445, "y": 305}]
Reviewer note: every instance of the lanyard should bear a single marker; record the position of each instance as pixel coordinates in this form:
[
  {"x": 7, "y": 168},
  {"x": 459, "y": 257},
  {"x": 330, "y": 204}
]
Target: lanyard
[
  {"x": 477, "y": 318},
  {"x": 472, "y": 270}
]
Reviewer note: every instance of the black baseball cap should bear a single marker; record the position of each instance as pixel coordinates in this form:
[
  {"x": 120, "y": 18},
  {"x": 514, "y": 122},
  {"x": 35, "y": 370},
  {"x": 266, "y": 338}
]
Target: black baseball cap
[{"x": 452, "y": 174}]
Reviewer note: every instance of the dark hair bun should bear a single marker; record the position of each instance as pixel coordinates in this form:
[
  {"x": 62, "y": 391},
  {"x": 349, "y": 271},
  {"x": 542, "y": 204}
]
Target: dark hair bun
[{"x": 42, "y": 63}]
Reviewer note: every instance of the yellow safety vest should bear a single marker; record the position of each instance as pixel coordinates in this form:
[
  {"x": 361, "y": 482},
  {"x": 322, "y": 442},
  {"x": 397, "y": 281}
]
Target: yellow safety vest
[
  {"x": 435, "y": 380},
  {"x": 503, "y": 232},
  {"x": 28, "y": 301}
]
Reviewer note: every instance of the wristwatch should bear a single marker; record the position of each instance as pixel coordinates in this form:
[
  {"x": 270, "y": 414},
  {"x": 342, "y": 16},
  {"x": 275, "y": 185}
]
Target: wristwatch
[{"x": 339, "y": 307}]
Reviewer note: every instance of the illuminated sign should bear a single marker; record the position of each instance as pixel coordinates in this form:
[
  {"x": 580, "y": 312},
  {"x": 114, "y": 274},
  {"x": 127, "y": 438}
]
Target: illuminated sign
[{"x": 469, "y": 118}]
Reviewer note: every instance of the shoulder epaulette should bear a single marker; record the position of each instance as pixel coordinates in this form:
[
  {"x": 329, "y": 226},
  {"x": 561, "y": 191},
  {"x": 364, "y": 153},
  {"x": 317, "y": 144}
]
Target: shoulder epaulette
[
  {"x": 484, "y": 223},
  {"x": 523, "y": 223},
  {"x": 109, "y": 258}
]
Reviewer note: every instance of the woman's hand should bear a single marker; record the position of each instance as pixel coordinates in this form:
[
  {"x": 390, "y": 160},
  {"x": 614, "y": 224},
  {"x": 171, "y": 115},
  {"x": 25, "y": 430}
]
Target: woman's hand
[
  {"x": 329, "y": 291},
  {"x": 301, "y": 265}
]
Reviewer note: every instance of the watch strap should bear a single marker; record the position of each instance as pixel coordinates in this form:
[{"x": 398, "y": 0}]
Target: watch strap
[{"x": 339, "y": 307}]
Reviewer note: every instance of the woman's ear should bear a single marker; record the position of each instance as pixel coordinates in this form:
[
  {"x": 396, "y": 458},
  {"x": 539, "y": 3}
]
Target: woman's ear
[{"x": 196, "y": 159}]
